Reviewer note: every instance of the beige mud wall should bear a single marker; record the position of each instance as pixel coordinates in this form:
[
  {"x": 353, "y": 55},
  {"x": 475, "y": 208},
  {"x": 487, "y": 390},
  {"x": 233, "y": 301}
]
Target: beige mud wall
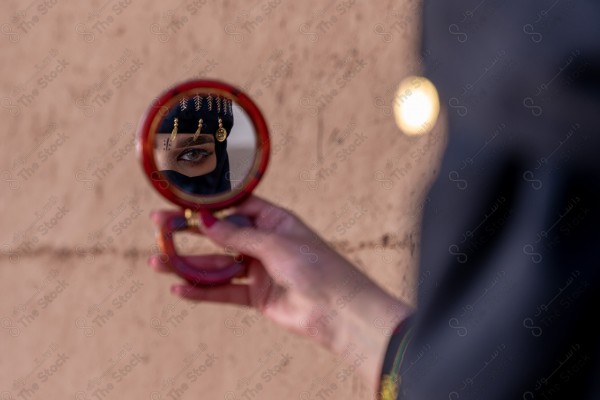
[{"x": 82, "y": 315}]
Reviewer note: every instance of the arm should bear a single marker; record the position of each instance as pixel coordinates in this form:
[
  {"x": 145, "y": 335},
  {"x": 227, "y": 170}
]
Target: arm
[{"x": 321, "y": 295}]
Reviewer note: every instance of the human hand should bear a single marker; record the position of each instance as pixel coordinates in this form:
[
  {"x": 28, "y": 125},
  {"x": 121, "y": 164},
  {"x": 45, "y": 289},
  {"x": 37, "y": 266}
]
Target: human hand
[{"x": 296, "y": 280}]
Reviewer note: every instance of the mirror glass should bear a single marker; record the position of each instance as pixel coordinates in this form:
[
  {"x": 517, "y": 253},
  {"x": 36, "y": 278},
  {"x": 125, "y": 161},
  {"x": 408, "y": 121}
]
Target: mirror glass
[{"x": 204, "y": 145}]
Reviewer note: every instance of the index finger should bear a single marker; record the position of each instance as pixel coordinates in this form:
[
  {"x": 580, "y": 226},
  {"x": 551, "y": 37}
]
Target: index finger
[{"x": 265, "y": 214}]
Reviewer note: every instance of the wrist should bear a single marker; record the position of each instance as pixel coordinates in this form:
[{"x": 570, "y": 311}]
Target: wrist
[{"x": 367, "y": 324}]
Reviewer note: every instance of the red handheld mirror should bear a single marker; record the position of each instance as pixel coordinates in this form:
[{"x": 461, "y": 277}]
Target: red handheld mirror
[{"x": 204, "y": 145}]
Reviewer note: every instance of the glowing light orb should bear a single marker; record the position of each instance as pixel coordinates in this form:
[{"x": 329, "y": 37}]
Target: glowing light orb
[{"x": 416, "y": 105}]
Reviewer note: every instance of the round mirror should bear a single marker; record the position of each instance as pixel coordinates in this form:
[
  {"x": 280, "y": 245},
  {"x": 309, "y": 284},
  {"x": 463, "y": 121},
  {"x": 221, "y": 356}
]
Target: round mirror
[{"x": 204, "y": 144}]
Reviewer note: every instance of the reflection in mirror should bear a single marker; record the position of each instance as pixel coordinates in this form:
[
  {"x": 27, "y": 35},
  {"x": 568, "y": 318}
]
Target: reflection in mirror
[{"x": 205, "y": 144}]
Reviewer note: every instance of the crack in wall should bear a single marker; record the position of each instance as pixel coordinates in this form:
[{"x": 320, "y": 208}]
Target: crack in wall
[{"x": 385, "y": 242}]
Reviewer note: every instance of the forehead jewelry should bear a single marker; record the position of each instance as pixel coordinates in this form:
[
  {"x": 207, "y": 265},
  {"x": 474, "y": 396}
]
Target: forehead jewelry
[
  {"x": 174, "y": 131},
  {"x": 197, "y": 134},
  {"x": 221, "y": 134}
]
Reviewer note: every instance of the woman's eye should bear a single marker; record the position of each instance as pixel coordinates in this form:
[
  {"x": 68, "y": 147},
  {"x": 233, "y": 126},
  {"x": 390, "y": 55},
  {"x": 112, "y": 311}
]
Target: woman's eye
[{"x": 194, "y": 155}]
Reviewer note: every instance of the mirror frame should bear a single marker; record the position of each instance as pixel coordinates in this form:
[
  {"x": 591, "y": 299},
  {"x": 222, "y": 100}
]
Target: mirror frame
[{"x": 145, "y": 144}]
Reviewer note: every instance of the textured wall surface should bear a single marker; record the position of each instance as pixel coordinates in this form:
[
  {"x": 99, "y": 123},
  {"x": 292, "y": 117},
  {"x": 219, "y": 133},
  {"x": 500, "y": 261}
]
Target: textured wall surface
[{"x": 82, "y": 315}]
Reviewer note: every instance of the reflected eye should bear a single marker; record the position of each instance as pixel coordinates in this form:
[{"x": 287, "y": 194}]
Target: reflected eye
[{"x": 194, "y": 155}]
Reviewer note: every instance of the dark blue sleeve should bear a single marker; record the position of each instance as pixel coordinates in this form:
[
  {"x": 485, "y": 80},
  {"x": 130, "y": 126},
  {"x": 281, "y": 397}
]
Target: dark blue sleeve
[{"x": 509, "y": 270}]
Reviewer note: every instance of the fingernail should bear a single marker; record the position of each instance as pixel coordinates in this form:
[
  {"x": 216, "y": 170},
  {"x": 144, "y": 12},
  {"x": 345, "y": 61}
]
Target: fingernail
[
  {"x": 207, "y": 218},
  {"x": 152, "y": 261},
  {"x": 178, "y": 289}
]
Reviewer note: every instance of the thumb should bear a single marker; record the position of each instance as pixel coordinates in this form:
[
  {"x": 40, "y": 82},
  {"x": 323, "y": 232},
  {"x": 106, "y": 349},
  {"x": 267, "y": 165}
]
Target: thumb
[{"x": 245, "y": 240}]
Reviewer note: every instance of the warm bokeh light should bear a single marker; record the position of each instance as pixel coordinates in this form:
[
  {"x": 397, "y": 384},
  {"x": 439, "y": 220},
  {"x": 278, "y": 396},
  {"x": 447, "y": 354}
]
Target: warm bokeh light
[{"x": 416, "y": 105}]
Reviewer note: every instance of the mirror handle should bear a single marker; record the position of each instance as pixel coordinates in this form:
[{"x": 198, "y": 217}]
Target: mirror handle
[{"x": 190, "y": 267}]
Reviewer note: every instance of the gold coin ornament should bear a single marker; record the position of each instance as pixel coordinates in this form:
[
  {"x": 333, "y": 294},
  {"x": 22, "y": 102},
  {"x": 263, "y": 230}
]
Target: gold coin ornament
[{"x": 221, "y": 134}]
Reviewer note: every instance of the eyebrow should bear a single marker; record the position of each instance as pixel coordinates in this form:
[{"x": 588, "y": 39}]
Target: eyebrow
[{"x": 202, "y": 139}]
